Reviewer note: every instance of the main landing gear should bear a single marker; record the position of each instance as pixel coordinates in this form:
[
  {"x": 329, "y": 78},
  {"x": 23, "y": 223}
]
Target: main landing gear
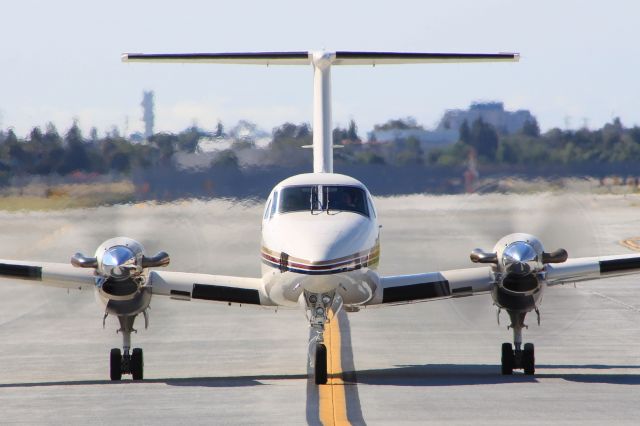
[
  {"x": 126, "y": 362},
  {"x": 318, "y": 306},
  {"x": 520, "y": 358}
]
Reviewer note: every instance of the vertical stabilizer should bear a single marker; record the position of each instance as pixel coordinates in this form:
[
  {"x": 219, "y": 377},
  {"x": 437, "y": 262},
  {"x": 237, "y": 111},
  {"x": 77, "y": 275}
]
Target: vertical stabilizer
[
  {"x": 322, "y": 130},
  {"x": 321, "y": 62}
]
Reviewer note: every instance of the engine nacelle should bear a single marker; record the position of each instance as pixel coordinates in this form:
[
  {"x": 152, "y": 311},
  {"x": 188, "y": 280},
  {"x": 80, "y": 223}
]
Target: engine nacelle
[
  {"x": 519, "y": 266},
  {"x": 120, "y": 265}
]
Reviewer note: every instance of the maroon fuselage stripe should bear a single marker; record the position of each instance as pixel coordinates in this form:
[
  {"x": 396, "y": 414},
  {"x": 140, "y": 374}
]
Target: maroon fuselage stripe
[{"x": 363, "y": 260}]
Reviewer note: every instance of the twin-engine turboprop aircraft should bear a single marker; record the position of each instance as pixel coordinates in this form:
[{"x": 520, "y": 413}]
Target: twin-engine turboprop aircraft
[{"x": 321, "y": 244}]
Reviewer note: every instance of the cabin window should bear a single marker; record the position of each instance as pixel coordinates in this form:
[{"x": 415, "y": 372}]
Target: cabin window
[
  {"x": 297, "y": 198},
  {"x": 273, "y": 204},
  {"x": 319, "y": 198},
  {"x": 267, "y": 209},
  {"x": 345, "y": 198},
  {"x": 371, "y": 208}
]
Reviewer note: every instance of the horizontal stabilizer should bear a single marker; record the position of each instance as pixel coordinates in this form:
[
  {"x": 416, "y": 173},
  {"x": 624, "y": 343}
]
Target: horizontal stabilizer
[
  {"x": 384, "y": 58},
  {"x": 260, "y": 58},
  {"x": 305, "y": 58}
]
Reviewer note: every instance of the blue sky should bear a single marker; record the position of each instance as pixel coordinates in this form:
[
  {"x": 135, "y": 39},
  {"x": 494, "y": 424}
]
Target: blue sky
[{"x": 61, "y": 60}]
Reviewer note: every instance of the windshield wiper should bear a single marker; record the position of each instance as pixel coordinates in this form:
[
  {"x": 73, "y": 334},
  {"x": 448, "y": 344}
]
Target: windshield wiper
[
  {"x": 315, "y": 200},
  {"x": 329, "y": 209}
]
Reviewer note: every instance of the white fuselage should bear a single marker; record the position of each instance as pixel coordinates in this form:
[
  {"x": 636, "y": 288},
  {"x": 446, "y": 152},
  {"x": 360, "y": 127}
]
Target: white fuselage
[{"x": 319, "y": 250}]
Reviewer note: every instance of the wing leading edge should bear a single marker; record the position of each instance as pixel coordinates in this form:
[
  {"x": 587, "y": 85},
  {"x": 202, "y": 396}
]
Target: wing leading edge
[
  {"x": 178, "y": 285},
  {"x": 592, "y": 268},
  {"x": 61, "y": 275},
  {"x": 402, "y": 289},
  {"x": 214, "y": 288}
]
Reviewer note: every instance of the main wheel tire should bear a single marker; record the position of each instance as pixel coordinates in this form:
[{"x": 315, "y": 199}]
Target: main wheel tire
[
  {"x": 137, "y": 364},
  {"x": 321, "y": 365},
  {"x": 529, "y": 359},
  {"x": 115, "y": 364},
  {"x": 508, "y": 359}
]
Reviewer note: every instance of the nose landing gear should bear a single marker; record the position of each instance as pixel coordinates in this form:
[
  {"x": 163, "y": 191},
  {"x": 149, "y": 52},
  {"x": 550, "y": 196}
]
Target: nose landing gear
[{"x": 318, "y": 306}]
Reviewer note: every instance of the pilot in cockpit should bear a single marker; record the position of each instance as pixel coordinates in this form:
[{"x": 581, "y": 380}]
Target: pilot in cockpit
[{"x": 348, "y": 202}]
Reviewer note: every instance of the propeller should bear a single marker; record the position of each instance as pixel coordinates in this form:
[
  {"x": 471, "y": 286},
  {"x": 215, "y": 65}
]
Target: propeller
[
  {"x": 557, "y": 219},
  {"x": 517, "y": 256},
  {"x": 120, "y": 258}
]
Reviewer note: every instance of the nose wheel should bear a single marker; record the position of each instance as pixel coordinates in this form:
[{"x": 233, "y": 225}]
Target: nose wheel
[{"x": 320, "y": 366}]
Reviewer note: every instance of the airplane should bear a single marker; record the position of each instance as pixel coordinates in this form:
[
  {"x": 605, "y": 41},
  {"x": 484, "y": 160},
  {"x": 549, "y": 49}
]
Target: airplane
[{"x": 321, "y": 244}]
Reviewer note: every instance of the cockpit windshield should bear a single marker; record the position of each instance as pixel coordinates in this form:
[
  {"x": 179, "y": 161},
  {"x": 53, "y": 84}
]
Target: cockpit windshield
[{"x": 323, "y": 198}]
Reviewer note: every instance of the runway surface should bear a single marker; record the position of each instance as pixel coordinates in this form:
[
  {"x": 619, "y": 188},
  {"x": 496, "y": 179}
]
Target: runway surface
[{"x": 425, "y": 363}]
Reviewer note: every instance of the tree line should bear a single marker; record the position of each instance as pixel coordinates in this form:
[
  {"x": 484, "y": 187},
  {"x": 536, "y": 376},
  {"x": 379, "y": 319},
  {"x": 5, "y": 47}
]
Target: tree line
[
  {"x": 45, "y": 152},
  {"x": 613, "y": 143}
]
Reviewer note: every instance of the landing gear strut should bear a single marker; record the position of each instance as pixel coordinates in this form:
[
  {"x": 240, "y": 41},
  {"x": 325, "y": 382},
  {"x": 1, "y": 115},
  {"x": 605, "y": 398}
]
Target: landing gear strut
[
  {"x": 318, "y": 306},
  {"x": 126, "y": 362},
  {"x": 518, "y": 358}
]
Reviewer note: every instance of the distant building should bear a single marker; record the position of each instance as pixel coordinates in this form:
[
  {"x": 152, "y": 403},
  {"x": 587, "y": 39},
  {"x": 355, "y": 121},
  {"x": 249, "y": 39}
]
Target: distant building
[
  {"x": 245, "y": 139},
  {"x": 243, "y": 131},
  {"x": 148, "y": 116},
  {"x": 428, "y": 138},
  {"x": 447, "y": 130},
  {"x": 491, "y": 112},
  {"x": 403, "y": 129},
  {"x": 136, "y": 137}
]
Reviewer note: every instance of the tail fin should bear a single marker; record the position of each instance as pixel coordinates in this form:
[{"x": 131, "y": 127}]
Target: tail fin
[{"x": 322, "y": 62}]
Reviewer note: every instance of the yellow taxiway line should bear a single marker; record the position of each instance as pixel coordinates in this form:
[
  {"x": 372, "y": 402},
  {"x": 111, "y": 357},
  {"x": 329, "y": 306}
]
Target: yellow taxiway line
[
  {"x": 632, "y": 243},
  {"x": 332, "y": 402}
]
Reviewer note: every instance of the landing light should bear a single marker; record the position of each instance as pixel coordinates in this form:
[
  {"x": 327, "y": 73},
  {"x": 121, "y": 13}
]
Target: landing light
[
  {"x": 313, "y": 298},
  {"x": 319, "y": 311},
  {"x": 326, "y": 299}
]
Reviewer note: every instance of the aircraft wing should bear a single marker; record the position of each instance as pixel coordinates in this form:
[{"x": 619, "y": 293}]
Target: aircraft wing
[
  {"x": 592, "y": 268},
  {"x": 402, "y": 289},
  {"x": 215, "y": 288},
  {"x": 178, "y": 285},
  {"x": 61, "y": 275}
]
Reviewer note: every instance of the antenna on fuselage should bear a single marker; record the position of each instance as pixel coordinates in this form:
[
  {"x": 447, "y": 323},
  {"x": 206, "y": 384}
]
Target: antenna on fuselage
[{"x": 321, "y": 62}]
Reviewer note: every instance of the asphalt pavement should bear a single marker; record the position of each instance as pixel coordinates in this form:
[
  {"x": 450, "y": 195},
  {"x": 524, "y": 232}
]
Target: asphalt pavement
[{"x": 434, "y": 362}]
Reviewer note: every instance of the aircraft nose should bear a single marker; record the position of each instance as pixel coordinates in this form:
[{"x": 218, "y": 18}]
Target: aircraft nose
[
  {"x": 322, "y": 239},
  {"x": 340, "y": 243}
]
